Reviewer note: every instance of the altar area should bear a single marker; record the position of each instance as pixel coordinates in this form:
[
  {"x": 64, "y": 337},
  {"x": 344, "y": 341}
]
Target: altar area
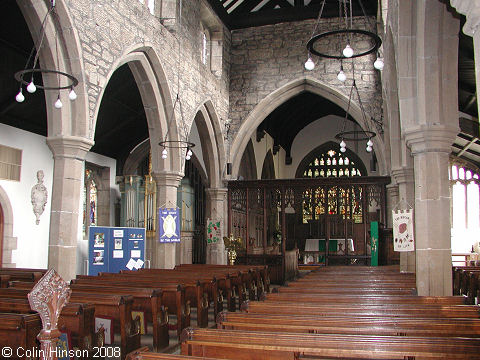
[{"x": 322, "y": 221}]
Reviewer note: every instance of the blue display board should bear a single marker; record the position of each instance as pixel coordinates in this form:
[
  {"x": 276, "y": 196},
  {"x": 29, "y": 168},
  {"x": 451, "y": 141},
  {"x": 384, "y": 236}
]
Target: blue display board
[{"x": 111, "y": 249}]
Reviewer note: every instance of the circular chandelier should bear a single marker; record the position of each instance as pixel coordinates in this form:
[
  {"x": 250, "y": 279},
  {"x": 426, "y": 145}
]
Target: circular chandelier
[
  {"x": 350, "y": 39},
  {"x": 355, "y": 135},
  {"x": 176, "y": 144},
  {"x": 26, "y": 77}
]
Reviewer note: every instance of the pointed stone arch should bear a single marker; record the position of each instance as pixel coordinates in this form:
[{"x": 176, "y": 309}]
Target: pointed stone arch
[
  {"x": 9, "y": 242},
  {"x": 268, "y": 169},
  {"x": 279, "y": 96},
  {"x": 157, "y": 102},
  {"x": 211, "y": 137},
  {"x": 60, "y": 35}
]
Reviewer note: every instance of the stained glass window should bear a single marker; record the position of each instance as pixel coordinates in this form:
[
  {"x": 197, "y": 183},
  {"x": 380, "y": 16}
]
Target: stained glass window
[
  {"x": 327, "y": 162},
  {"x": 90, "y": 202}
]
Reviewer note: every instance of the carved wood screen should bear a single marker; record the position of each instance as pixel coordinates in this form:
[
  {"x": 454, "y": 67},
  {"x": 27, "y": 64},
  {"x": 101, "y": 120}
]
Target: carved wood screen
[{"x": 276, "y": 216}]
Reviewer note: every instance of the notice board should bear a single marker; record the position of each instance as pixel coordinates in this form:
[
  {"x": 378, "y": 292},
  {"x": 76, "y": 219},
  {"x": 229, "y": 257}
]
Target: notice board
[{"x": 111, "y": 249}]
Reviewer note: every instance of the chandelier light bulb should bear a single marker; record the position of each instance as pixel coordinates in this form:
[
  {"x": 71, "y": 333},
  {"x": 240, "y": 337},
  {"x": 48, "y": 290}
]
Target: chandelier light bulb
[
  {"x": 378, "y": 64},
  {"x": 72, "y": 95},
  {"x": 369, "y": 142},
  {"x": 187, "y": 157},
  {"x": 20, "y": 98},
  {"x": 58, "y": 104},
  {"x": 348, "y": 51},
  {"x": 342, "y": 144},
  {"x": 164, "y": 156},
  {"x": 31, "y": 88},
  {"x": 369, "y": 149},
  {"x": 341, "y": 76},
  {"x": 309, "y": 64},
  {"x": 164, "y": 152},
  {"x": 342, "y": 149},
  {"x": 189, "y": 153}
]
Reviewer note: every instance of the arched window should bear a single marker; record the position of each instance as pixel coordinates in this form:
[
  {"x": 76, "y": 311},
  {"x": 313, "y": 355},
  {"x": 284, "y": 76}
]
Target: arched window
[
  {"x": 328, "y": 161},
  {"x": 205, "y": 42},
  {"x": 90, "y": 202},
  {"x": 465, "y": 206}
]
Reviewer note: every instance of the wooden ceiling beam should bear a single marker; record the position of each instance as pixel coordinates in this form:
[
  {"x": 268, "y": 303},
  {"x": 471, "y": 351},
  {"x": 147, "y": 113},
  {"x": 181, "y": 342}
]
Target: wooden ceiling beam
[{"x": 221, "y": 12}]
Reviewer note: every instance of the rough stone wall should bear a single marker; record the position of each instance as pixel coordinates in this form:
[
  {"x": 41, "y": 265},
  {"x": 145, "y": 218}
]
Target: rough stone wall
[
  {"x": 108, "y": 29},
  {"x": 268, "y": 57}
]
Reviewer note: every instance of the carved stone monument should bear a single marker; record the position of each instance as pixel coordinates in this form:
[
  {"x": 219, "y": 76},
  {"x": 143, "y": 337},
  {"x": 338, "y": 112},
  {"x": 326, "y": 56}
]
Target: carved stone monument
[
  {"x": 48, "y": 297},
  {"x": 39, "y": 196}
]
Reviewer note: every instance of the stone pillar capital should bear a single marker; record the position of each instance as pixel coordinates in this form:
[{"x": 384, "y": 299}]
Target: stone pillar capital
[
  {"x": 216, "y": 194},
  {"x": 471, "y": 10},
  {"x": 403, "y": 175},
  {"x": 430, "y": 138},
  {"x": 392, "y": 189},
  {"x": 167, "y": 178},
  {"x": 73, "y": 147}
]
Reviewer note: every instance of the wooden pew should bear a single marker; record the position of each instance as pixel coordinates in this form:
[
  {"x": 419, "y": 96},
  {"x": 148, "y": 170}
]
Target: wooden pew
[
  {"x": 244, "y": 283},
  {"x": 19, "y": 331},
  {"x": 256, "y": 278},
  {"x": 23, "y": 274},
  {"x": 338, "y": 291},
  {"x": 232, "y": 344},
  {"x": 145, "y": 354},
  {"x": 78, "y": 318},
  {"x": 359, "y": 325},
  {"x": 120, "y": 309},
  {"x": 173, "y": 294},
  {"x": 148, "y": 301},
  {"x": 387, "y": 310},
  {"x": 210, "y": 283},
  {"x": 226, "y": 283},
  {"x": 359, "y": 300},
  {"x": 194, "y": 290}
]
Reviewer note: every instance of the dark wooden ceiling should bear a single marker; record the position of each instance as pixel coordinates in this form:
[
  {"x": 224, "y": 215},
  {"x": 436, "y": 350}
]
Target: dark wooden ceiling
[{"x": 237, "y": 14}]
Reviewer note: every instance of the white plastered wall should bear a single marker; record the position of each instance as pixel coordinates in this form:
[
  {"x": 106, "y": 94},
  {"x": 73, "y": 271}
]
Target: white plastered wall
[{"x": 32, "y": 239}]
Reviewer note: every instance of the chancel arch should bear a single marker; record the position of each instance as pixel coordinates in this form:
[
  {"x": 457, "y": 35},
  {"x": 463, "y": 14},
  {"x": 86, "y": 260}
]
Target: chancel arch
[{"x": 283, "y": 94}]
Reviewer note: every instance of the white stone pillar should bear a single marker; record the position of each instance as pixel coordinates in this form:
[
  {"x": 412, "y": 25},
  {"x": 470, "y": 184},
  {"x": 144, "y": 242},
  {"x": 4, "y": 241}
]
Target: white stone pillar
[
  {"x": 404, "y": 177},
  {"x": 217, "y": 209},
  {"x": 164, "y": 255},
  {"x": 471, "y": 9},
  {"x": 431, "y": 147},
  {"x": 69, "y": 155}
]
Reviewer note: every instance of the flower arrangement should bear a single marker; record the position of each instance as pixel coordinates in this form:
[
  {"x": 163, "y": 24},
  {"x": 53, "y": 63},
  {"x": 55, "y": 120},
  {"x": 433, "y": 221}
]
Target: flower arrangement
[{"x": 232, "y": 245}]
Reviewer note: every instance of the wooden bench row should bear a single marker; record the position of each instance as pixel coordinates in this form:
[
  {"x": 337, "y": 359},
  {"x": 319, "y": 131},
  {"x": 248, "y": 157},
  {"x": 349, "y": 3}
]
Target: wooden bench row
[{"x": 318, "y": 320}]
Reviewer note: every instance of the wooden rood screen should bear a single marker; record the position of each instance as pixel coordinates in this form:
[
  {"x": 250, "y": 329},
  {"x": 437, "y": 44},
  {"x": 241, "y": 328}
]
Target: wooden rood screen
[{"x": 327, "y": 219}]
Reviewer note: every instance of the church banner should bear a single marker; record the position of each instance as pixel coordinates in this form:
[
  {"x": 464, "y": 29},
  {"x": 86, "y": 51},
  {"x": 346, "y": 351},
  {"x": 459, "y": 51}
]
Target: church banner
[
  {"x": 168, "y": 225},
  {"x": 214, "y": 231},
  {"x": 374, "y": 243},
  {"x": 403, "y": 237}
]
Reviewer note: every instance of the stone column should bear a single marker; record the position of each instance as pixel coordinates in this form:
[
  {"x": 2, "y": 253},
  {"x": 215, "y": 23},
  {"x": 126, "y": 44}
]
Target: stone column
[
  {"x": 431, "y": 147},
  {"x": 164, "y": 255},
  {"x": 68, "y": 173},
  {"x": 217, "y": 209},
  {"x": 471, "y": 10},
  {"x": 392, "y": 200},
  {"x": 404, "y": 177},
  {"x": 186, "y": 248}
]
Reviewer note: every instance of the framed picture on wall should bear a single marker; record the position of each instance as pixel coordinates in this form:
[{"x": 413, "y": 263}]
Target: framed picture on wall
[{"x": 99, "y": 241}]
